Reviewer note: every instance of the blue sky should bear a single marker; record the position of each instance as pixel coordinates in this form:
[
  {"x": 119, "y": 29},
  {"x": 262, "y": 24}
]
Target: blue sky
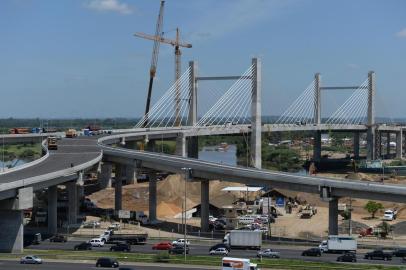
[{"x": 78, "y": 58}]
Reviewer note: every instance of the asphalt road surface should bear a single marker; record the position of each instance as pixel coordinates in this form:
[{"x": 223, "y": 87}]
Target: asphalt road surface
[
  {"x": 286, "y": 252},
  {"x": 15, "y": 265}
]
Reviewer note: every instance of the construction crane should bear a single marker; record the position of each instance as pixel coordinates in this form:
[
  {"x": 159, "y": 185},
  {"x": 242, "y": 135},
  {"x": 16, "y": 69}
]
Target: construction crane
[
  {"x": 154, "y": 61},
  {"x": 177, "y": 44}
]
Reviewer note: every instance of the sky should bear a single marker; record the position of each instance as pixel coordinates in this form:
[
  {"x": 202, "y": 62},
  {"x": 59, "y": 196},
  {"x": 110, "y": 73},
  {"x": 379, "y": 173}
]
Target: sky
[{"x": 79, "y": 58}]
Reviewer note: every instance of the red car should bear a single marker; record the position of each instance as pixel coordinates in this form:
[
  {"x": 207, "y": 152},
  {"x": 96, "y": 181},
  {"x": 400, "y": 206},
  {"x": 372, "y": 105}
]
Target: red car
[{"x": 162, "y": 246}]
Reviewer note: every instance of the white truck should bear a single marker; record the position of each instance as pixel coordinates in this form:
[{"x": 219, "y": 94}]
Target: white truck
[
  {"x": 390, "y": 214},
  {"x": 338, "y": 244},
  {"x": 229, "y": 263},
  {"x": 243, "y": 239}
]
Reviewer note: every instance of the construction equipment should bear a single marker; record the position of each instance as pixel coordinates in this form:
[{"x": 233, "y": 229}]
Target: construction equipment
[
  {"x": 154, "y": 61},
  {"x": 158, "y": 38}
]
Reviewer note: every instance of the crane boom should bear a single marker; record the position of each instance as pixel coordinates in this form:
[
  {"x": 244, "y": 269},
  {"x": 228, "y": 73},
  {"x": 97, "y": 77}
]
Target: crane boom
[{"x": 163, "y": 40}]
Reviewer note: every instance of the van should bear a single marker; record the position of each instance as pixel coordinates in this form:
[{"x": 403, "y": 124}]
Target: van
[{"x": 96, "y": 242}]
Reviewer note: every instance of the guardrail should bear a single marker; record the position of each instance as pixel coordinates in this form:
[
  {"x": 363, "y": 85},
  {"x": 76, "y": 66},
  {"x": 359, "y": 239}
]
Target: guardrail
[{"x": 32, "y": 163}]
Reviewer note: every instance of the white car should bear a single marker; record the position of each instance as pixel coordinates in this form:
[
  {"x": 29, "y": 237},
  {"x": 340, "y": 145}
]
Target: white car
[
  {"x": 180, "y": 242},
  {"x": 114, "y": 226},
  {"x": 218, "y": 251},
  {"x": 31, "y": 259},
  {"x": 97, "y": 242}
]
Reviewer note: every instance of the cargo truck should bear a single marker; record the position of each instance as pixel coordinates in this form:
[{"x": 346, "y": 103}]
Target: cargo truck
[
  {"x": 338, "y": 244},
  {"x": 243, "y": 239},
  {"x": 229, "y": 263},
  {"x": 71, "y": 133},
  {"x": 52, "y": 143},
  {"x": 132, "y": 239}
]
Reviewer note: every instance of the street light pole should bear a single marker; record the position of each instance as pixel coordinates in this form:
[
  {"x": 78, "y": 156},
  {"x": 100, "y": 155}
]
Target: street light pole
[{"x": 187, "y": 175}]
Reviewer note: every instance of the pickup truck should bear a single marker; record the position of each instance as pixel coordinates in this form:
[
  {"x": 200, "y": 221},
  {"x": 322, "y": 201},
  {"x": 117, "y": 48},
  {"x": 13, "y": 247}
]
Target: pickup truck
[
  {"x": 378, "y": 255},
  {"x": 390, "y": 214}
]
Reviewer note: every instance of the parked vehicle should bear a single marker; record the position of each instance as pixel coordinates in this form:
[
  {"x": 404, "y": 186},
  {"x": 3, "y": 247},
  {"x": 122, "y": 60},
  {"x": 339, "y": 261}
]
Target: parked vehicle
[
  {"x": 229, "y": 263},
  {"x": 246, "y": 220},
  {"x": 114, "y": 227},
  {"x": 97, "y": 242},
  {"x": 378, "y": 254},
  {"x": 390, "y": 215},
  {"x": 132, "y": 239},
  {"x": 121, "y": 247},
  {"x": 31, "y": 259},
  {"x": 162, "y": 246},
  {"x": 181, "y": 242},
  {"x": 178, "y": 250},
  {"x": 58, "y": 238},
  {"x": 268, "y": 253},
  {"x": 312, "y": 252},
  {"x": 219, "y": 251},
  {"x": 107, "y": 262},
  {"x": 338, "y": 244},
  {"x": 399, "y": 252},
  {"x": 221, "y": 245},
  {"x": 91, "y": 224},
  {"x": 347, "y": 257},
  {"x": 243, "y": 239},
  {"x": 83, "y": 246}
]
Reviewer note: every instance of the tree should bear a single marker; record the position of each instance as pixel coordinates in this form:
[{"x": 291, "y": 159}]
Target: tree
[{"x": 372, "y": 207}]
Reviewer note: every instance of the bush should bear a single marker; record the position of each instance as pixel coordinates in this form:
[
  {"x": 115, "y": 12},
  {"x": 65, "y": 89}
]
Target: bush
[{"x": 162, "y": 256}]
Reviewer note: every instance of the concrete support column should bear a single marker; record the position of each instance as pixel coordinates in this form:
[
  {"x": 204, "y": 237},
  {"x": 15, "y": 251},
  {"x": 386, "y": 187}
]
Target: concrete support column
[
  {"x": 399, "y": 144},
  {"x": 180, "y": 145},
  {"x": 73, "y": 202},
  {"x": 118, "y": 188},
  {"x": 356, "y": 145},
  {"x": 105, "y": 175},
  {"x": 205, "y": 205},
  {"x": 256, "y": 128},
  {"x": 192, "y": 142},
  {"x": 52, "y": 209},
  {"x": 152, "y": 197},
  {"x": 317, "y": 99},
  {"x": 371, "y": 154},
  {"x": 131, "y": 174},
  {"x": 333, "y": 216},
  {"x": 388, "y": 144},
  {"x": 317, "y": 146},
  {"x": 11, "y": 231}
]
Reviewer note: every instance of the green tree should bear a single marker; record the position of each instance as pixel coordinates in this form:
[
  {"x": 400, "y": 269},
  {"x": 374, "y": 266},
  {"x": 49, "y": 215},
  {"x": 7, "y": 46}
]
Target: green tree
[{"x": 372, "y": 207}]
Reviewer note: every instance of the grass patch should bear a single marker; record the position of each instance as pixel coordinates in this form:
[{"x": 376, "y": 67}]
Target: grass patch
[{"x": 194, "y": 260}]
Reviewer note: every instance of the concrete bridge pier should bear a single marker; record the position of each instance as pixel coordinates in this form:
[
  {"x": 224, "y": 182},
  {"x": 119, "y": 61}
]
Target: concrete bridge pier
[
  {"x": 205, "y": 205},
  {"x": 317, "y": 146},
  {"x": 12, "y": 230},
  {"x": 53, "y": 209},
  {"x": 399, "y": 144},
  {"x": 72, "y": 202},
  {"x": 356, "y": 145},
  {"x": 105, "y": 175},
  {"x": 256, "y": 115},
  {"x": 131, "y": 174},
  {"x": 181, "y": 146},
  {"x": 333, "y": 216},
  {"x": 152, "y": 196},
  {"x": 118, "y": 187},
  {"x": 387, "y": 144}
]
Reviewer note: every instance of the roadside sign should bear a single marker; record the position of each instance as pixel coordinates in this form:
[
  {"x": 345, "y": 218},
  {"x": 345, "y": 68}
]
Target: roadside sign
[
  {"x": 280, "y": 201},
  {"x": 124, "y": 214}
]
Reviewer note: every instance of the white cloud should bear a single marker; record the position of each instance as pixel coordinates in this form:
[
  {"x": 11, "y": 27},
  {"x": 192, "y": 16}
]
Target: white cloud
[
  {"x": 401, "y": 33},
  {"x": 109, "y": 5}
]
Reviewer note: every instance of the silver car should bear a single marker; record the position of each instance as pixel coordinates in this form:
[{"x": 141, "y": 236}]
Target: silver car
[
  {"x": 31, "y": 259},
  {"x": 268, "y": 253}
]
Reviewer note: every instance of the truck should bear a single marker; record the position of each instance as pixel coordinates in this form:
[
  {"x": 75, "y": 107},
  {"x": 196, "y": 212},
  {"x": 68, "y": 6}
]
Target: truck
[
  {"x": 338, "y": 244},
  {"x": 71, "y": 133},
  {"x": 139, "y": 216},
  {"x": 132, "y": 239},
  {"x": 229, "y": 263},
  {"x": 390, "y": 214},
  {"x": 243, "y": 239},
  {"x": 52, "y": 143}
]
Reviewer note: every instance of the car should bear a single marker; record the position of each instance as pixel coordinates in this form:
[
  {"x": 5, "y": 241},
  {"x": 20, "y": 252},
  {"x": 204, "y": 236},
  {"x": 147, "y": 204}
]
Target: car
[
  {"x": 219, "y": 251},
  {"x": 107, "y": 262},
  {"x": 83, "y": 246},
  {"x": 181, "y": 242},
  {"x": 31, "y": 259},
  {"x": 312, "y": 252},
  {"x": 221, "y": 245},
  {"x": 378, "y": 254},
  {"x": 347, "y": 257},
  {"x": 178, "y": 250},
  {"x": 114, "y": 227},
  {"x": 399, "y": 252},
  {"x": 268, "y": 253},
  {"x": 58, "y": 238},
  {"x": 162, "y": 246},
  {"x": 97, "y": 242},
  {"x": 91, "y": 224},
  {"x": 121, "y": 247}
]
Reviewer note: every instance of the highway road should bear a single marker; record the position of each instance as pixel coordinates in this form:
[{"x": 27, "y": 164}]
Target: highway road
[
  {"x": 286, "y": 252},
  {"x": 15, "y": 265}
]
